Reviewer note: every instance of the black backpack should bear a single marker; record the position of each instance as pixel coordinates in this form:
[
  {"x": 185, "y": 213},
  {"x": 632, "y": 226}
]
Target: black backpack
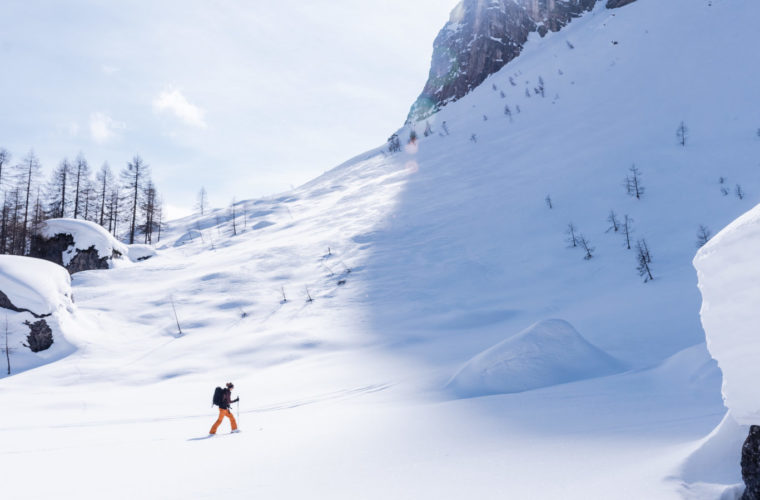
[{"x": 218, "y": 395}]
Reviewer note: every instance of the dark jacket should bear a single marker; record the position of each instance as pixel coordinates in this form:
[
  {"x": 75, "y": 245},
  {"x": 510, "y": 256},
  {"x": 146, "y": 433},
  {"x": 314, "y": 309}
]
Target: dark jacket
[{"x": 226, "y": 399}]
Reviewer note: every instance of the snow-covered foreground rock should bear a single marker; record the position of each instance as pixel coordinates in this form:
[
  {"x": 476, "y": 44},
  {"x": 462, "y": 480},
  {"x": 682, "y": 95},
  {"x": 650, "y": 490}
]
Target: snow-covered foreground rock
[
  {"x": 729, "y": 279},
  {"x": 37, "y": 306},
  {"x": 416, "y": 263},
  {"x": 728, "y": 267}
]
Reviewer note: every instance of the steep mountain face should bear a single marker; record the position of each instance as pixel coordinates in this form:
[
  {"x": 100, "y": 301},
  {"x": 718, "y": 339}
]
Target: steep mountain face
[{"x": 484, "y": 35}]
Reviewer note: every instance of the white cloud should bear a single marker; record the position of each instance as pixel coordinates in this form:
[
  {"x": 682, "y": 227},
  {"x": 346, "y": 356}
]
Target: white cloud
[
  {"x": 175, "y": 103},
  {"x": 104, "y": 128}
]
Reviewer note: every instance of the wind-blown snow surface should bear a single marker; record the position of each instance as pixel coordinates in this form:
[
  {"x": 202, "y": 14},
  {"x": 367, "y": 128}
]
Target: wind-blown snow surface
[{"x": 417, "y": 262}]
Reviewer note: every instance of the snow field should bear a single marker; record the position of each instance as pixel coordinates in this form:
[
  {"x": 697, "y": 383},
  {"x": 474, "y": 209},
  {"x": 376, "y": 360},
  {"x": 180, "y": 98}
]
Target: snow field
[{"x": 445, "y": 250}]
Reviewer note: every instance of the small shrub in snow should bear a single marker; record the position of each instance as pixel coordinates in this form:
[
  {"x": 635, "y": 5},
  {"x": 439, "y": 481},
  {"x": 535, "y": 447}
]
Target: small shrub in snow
[
  {"x": 682, "y": 133},
  {"x": 614, "y": 223},
  {"x": 394, "y": 146},
  {"x": 428, "y": 129}
]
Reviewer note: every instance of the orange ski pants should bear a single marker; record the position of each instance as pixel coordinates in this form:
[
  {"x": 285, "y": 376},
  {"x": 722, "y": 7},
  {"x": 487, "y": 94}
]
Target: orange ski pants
[{"x": 222, "y": 414}]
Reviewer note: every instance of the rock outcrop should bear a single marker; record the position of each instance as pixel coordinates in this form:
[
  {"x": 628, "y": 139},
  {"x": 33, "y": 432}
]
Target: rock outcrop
[
  {"x": 751, "y": 464},
  {"x": 40, "y": 336},
  {"x": 76, "y": 244},
  {"x": 484, "y": 35},
  {"x": 53, "y": 249}
]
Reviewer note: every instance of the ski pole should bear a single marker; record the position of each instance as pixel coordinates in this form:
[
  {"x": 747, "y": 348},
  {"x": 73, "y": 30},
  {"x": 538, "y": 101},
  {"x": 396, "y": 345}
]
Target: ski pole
[{"x": 238, "y": 409}]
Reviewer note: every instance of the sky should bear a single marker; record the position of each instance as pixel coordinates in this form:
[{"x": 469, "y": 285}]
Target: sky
[{"x": 244, "y": 98}]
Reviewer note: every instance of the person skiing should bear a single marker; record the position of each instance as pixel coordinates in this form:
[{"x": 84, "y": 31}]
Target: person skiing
[{"x": 224, "y": 409}]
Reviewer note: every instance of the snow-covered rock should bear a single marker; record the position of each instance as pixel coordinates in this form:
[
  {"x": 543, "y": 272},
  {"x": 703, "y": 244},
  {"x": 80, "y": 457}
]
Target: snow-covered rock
[
  {"x": 36, "y": 302},
  {"x": 547, "y": 353},
  {"x": 76, "y": 244},
  {"x": 728, "y": 267},
  {"x": 138, "y": 252},
  {"x": 34, "y": 285}
]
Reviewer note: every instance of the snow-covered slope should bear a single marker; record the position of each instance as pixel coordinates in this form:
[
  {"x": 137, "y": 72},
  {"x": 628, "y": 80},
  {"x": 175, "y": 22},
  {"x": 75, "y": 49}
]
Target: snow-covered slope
[{"x": 416, "y": 262}]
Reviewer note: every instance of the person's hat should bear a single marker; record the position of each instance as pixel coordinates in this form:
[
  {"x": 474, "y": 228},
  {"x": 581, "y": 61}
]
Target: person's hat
[{"x": 230, "y": 385}]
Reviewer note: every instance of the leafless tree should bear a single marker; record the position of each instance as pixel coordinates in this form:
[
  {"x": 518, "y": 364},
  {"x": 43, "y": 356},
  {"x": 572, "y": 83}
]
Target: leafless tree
[
  {"x": 104, "y": 179},
  {"x": 27, "y": 172},
  {"x": 682, "y": 133},
  {"x": 633, "y": 183},
  {"x": 627, "y": 230},
  {"x": 81, "y": 176},
  {"x": 201, "y": 203},
  {"x": 233, "y": 214},
  {"x": 614, "y": 223},
  {"x": 703, "y": 235},
  {"x": 643, "y": 258},
  {"x": 586, "y": 245},
  {"x": 134, "y": 177},
  {"x": 572, "y": 236}
]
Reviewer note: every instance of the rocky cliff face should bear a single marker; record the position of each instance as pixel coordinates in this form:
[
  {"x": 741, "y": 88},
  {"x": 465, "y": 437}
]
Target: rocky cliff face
[{"x": 484, "y": 35}]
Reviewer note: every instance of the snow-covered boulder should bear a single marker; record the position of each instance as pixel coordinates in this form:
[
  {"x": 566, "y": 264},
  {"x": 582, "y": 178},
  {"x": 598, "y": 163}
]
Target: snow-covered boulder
[
  {"x": 138, "y": 252},
  {"x": 547, "y": 353},
  {"x": 36, "y": 301},
  {"x": 77, "y": 245},
  {"x": 728, "y": 268},
  {"x": 33, "y": 285}
]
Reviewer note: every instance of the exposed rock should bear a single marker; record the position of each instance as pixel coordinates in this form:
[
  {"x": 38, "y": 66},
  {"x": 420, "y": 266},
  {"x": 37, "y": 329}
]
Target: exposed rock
[
  {"x": 40, "y": 336},
  {"x": 483, "y": 36},
  {"x": 614, "y": 4},
  {"x": 53, "y": 249},
  {"x": 751, "y": 464}
]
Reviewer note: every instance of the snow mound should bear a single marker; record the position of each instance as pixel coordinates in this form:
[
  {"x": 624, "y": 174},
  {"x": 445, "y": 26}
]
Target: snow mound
[
  {"x": 188, "y": 237},
  {"x": 86, "y": 234},
  {"x": 728, "y": 267},
  {"x": 549, "y": 352},
  {"x": 34, "y": 284},
  {"x": 138, "y": 252}
]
